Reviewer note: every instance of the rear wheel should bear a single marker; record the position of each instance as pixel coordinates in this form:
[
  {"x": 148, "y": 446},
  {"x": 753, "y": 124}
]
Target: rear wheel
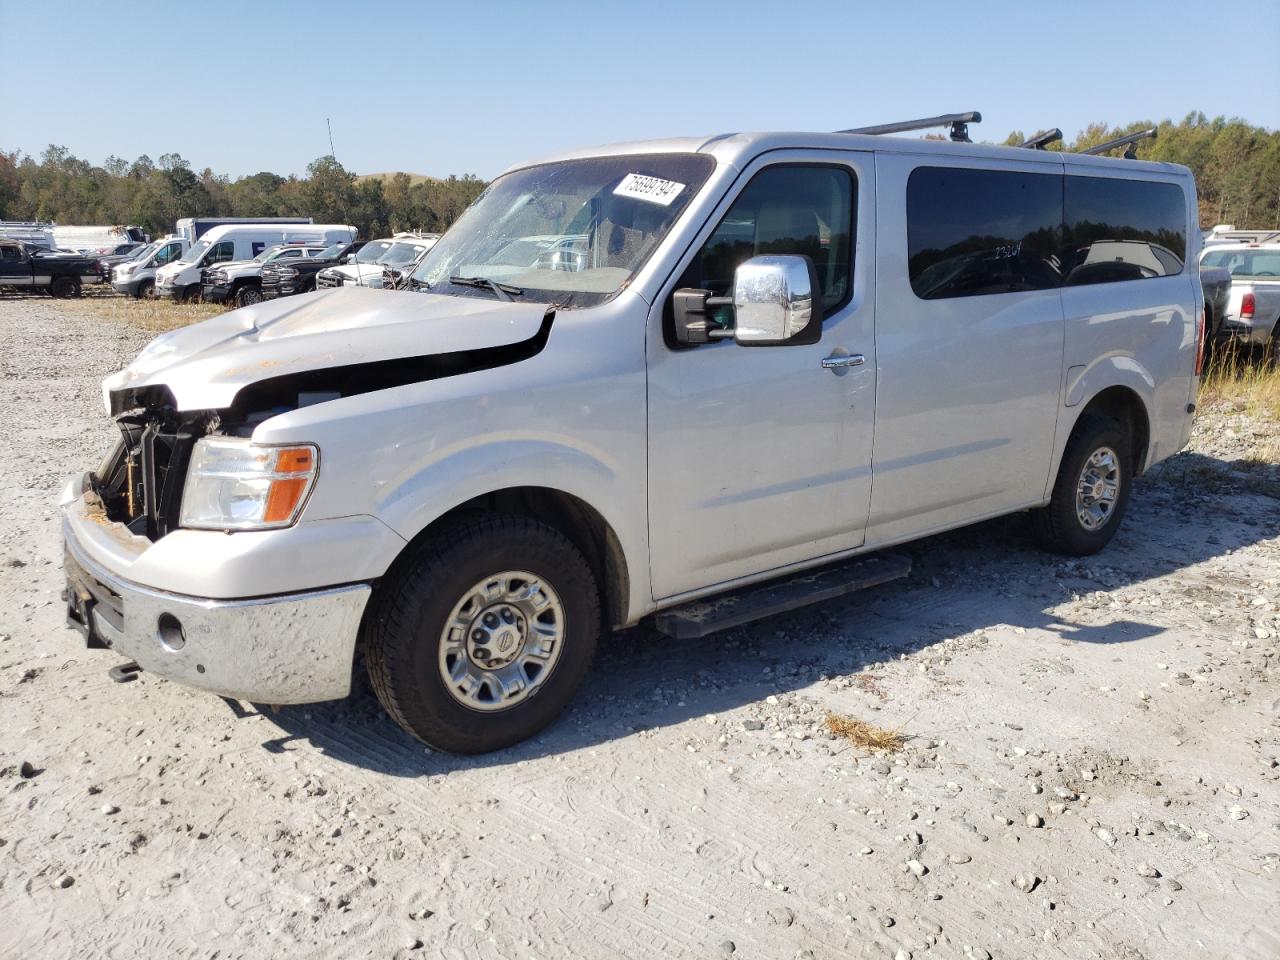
[
  {"x": 478, "y": 638},
  {"x": 1092, "y": 489},
  {"x": 64, "y": 287}
]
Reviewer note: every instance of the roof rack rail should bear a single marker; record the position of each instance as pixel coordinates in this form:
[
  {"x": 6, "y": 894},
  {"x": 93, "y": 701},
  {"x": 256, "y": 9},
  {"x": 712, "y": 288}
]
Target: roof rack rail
[
  {"x": 958, "y": 122},
  {"x": 1129, "y": 142},
  {"x": 1042, "y": 139}
]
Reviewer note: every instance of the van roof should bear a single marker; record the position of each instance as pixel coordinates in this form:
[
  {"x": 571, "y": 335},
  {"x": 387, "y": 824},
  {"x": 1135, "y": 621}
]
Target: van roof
[
  {"x": 308, "y": 230},
  {"x": 738, "y": 149}
]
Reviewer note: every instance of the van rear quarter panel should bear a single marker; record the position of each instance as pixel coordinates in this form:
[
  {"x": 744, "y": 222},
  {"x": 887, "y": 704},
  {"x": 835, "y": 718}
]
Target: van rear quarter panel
[{"x": 1139, "y": 334}]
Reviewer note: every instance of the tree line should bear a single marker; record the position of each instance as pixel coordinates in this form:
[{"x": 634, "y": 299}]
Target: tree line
[
  {"x": 63, "y": 188},
  {"x": 1236, "y": 164}
]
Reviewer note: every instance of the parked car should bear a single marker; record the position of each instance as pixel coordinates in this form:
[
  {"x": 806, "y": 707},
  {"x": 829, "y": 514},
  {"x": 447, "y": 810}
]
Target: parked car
[
  {"x": 24, "y": 267},
  {"x": 286, "y": 279},
  {"x": 33, "y": 233},
  {"x": 399, "y": 250},
  {"x": 120, "y": 253},
  {"x": 241, "y": 280},
  {"x": 752, "y": 372},
  {"x": 137, "y": 277},
  {"x": 1216, "y": 283},
  {"x": 395, "y": 276},
  {"x": 193, "y": 228},
  {"x": 95, "y": 240},
  {"x": 349, "y": 270},
  {"x": 181, "y": 279},
  {"x": 1252, "y": 317}
]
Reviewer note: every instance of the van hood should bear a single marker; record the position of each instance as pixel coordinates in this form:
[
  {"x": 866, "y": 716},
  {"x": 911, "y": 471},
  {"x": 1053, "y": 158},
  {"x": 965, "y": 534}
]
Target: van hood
[{"x": 205, "y": 365}]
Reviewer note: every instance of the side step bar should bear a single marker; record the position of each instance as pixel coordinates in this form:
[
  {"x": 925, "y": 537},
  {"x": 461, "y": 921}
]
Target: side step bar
[{"x": 698, "y": 618}]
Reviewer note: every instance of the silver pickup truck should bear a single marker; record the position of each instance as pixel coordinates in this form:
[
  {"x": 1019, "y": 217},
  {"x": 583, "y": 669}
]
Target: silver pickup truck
[
  {"x": 754, "y": 364},
  {"x": 1252, "y": 317}
]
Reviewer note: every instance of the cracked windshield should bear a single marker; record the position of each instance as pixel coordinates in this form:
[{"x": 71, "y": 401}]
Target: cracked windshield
[{"x": 571, "y": 233}]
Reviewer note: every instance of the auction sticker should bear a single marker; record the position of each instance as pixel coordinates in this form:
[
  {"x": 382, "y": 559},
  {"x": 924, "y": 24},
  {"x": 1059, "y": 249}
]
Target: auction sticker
[{"x": 653, "y": 189}]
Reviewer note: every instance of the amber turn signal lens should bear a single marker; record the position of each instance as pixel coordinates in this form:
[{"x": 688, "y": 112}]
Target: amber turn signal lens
[
  {"x": 294, "y": 460},
  {"x": 282, "y": 499}
]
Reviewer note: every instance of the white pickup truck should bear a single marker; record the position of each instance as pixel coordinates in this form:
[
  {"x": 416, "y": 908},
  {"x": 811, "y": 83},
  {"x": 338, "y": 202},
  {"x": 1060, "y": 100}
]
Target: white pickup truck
[{"x": 1253, "y": 312}]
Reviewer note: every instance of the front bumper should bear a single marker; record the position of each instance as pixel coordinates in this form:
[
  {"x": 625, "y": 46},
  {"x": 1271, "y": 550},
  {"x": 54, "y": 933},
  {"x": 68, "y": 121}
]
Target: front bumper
[
  {"x": 127, "y": 287},
  {"x": 215, "y": 293},
  {"x": 285, "y": 648}
]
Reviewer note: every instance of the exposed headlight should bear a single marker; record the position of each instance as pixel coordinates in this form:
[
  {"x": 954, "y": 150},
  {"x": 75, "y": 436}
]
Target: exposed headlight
[{"x": 235, "y": 484}]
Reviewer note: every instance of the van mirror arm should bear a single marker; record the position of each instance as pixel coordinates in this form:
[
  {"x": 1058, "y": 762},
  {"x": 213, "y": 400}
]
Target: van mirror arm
[{"x": 693, "y": 309}]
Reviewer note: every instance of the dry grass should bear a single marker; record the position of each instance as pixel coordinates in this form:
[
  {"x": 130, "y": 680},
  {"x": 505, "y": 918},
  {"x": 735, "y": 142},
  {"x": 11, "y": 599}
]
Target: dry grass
[
  {"x": 865, "y": 736},
  {"x": 154, "y": 316},
  {"x": 1242, "y": 383}
]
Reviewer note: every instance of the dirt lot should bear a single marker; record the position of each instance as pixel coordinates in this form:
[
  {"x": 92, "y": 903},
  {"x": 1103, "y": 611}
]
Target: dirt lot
[{"x": 1090, "y": 770}]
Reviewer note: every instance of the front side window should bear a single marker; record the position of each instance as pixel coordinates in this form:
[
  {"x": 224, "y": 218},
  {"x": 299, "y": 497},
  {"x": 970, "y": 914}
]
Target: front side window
[
  {"x": 795, "y": 210},
  {"x": 977, "y": 232},
  {"x": 220, "y": 253},
  {"x": 169, "y": 253},
  {"x": 572, "y": 233},
  {"x": 1122, "y": 230}
]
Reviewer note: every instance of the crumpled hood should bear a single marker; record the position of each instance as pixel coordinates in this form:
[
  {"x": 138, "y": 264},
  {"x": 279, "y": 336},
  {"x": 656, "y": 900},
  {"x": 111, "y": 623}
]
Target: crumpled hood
[{"x": 207, "y": 364}]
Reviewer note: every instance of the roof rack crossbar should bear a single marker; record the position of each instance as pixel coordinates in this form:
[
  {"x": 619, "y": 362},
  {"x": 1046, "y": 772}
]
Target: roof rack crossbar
[
  {"x": 1042, "y": 139},
  {"x": 958, "y": 122},
  {"x": 1129, "y": 141}
]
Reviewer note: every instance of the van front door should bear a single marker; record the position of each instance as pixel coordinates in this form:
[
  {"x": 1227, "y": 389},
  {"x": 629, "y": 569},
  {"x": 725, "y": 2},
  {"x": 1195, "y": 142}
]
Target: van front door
[{"x": 760, "y": 457}]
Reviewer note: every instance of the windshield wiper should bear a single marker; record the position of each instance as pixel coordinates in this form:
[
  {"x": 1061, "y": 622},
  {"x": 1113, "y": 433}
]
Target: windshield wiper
[{"x": 503, "y": 291}]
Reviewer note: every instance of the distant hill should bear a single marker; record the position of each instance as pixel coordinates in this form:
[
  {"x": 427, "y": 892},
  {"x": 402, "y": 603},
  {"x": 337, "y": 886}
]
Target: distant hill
[{"x": 413, "y": 177}]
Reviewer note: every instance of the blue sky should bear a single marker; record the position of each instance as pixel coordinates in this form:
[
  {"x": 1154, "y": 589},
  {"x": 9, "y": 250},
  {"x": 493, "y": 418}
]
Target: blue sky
[{"x": 473, "y": 87}]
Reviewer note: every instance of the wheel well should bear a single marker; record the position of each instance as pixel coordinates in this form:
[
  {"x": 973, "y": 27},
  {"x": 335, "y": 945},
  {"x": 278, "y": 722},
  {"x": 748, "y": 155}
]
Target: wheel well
[
  {"x": 1125, "y": 406},
  {"x": 573, "y": 517}
]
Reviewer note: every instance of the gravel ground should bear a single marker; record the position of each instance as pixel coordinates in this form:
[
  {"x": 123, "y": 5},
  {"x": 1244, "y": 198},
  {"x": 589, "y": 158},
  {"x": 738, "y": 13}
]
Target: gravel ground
[{"x": 1090, "y": 771}]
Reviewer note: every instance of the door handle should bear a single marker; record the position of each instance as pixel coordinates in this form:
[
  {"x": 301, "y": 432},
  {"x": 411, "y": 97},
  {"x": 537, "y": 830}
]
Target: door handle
[{"x": 834, "y": 362}]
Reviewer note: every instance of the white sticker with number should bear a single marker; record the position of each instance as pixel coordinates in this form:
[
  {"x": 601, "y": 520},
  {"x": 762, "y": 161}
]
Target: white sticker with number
[{"x": 653, "y": 189}]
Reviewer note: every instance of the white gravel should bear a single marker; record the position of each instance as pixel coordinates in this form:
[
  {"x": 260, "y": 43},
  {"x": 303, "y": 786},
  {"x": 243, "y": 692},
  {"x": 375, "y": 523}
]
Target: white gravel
[{"x": 1092, "y": 770}]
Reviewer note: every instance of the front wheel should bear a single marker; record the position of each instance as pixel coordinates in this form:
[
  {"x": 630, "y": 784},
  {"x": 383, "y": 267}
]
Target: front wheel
[
  {"x": 478, "y": 638},
  {"x": 147, "y": 290},
  {"x": 1092, "y": 489},
  {"x": 247, "y": 295}
]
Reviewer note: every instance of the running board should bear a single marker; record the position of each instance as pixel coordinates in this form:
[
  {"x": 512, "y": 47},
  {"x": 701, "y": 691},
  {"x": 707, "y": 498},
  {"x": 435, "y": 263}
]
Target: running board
[{"x": 698, "y": 618}]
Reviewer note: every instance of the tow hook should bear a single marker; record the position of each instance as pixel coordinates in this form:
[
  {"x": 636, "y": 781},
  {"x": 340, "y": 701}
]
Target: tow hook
[{"x": 124, "y": 672}]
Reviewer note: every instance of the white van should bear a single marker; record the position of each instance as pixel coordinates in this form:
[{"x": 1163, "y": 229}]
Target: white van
[
  {"x": 757, "y": 363},
  {"x": 136, "y": 277},
  {"x": 241, "y": 241}
]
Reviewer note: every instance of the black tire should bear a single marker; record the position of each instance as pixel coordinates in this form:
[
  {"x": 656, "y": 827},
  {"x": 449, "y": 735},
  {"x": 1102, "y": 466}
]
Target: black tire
[
  {"x": 249, "y": 294},
  {"x": 1058, "y": 526},
  {"x": 146, "y": 290},
  {"x": 64, "y": 287},
  {"x": 1273, "y": 348},
  {"x": 404, "y": 626}
]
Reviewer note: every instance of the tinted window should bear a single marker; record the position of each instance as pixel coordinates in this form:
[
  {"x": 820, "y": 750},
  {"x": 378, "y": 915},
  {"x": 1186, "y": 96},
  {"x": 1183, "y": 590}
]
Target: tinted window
[
  {"x": 220, "y": 253},
  {"x": 977, "y": 232},
  {"x": 1122, "y": 230},
  {"x": 784, "y": 210}
]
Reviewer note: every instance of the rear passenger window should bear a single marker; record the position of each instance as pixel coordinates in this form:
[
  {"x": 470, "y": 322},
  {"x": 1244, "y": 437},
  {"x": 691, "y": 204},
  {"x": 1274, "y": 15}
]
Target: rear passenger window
[
  {"x": 977, "y": 232},
  {"x": 1123, "y": 230},
  {"x": 784, "y": 210}
]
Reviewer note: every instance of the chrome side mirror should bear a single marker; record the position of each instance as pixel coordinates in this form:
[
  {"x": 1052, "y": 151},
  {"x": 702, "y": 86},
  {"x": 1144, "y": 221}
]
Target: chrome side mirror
[{"x": 775, "y": 300}]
